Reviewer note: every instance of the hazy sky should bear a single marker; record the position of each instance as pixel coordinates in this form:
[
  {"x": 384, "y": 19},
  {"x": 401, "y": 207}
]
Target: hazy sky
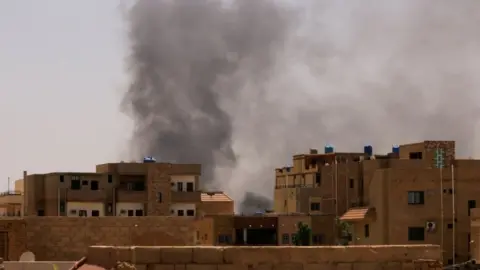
[{"x": 61, "y": 72}]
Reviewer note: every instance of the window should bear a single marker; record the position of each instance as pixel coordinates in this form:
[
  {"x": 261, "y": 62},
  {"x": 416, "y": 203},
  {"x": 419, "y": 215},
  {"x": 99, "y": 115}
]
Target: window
[
  {"x": 416, "y": 155},
  {"x": 62, "y": 178},
  {"x": 315, "y": 207},
  {"x": 73, "y": 212},
  {"x": 179, "y": 186},
  {"x": 110, "y": 178},
  {"x": 351, "y": 183},
  {"x": 82, "y": 213},
  {"x": 130, "y": 213},
  {"x": 471, "y": 204},
  {"x": 85, "y": 183},
  {"x": 75, "y": 184},
  {"x": 95, "y": 213},
  {"x": 190, "y": 213},
  {"x": 450, "y": 262},
  {"x": 40, "y": 213},
  {"x": 180, "y": 213},
  {"x": 318, "y": 178},
  {"x": 285, "y": 239},
  {"x": 94, "y": 185},
  {"x": 159, "y": 197},
  {"x": 416, "y": 197},
  {"x": 109, "y": 208},
  {"x": 416, "y": 234},
  {"x": 317, "y": 239},
  {"x": 294, "y": 238},
  {"x": 224, "y": 239},
  {"x": 450, "y": 225},
  {"x": 189, "y": 187},
  {"x": 138, "y": 213},
  {"x": 366, "y": 229}
]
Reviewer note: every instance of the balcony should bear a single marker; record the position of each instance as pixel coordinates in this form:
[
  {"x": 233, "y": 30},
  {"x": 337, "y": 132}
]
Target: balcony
[
  {"x": 85, "y": 195},
  {"x": 186, "y": 197},
  {"x": 125, "y": 195}
]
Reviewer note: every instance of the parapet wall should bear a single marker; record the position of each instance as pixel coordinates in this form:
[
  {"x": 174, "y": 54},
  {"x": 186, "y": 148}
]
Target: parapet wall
[{"x": 268, "y": 258}]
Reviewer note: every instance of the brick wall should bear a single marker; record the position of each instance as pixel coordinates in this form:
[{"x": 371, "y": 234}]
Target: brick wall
[
  {"x": 67, "y": 238},
  {"x": 267, "y": 258}
]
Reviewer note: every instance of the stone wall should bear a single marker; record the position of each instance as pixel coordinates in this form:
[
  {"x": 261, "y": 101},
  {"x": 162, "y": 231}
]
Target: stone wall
[
  {"x": 268, "y": 258},
  {"x": 67, "y": 238}
]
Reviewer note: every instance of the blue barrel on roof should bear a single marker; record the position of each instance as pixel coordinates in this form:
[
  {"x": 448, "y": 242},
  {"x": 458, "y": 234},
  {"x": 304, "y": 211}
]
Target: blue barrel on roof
[
  {"x": 329, "y": 149},
  {"x": 368, "y": 149},
  {"x": 396, "y": 149}
]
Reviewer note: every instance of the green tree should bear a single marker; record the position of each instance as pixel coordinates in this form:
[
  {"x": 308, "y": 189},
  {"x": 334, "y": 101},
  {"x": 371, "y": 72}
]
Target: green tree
[
  {"x": 344, "y": 231},
  {"x": 303, "y": 236}
]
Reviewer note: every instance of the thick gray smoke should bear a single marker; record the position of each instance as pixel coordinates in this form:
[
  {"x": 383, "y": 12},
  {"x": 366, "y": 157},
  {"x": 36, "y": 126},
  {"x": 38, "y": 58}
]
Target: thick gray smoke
[{"x": 242, "y": 86}]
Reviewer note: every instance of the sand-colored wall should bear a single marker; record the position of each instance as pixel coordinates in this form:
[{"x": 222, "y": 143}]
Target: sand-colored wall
[{"x": 281, "y": 258}]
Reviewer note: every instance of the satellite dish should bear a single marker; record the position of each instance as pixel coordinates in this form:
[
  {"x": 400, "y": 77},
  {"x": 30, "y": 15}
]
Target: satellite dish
[{"x": 27, "y": 257}]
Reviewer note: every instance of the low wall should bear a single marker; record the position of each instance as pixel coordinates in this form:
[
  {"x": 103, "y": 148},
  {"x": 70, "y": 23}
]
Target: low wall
[
  {"x": 59, "y": 265},
  {"x": 267, "y": 258}
]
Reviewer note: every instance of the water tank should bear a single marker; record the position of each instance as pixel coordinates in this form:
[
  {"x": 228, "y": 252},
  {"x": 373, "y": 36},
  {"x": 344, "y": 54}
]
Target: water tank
[
  {"x": 149, "y": 160},
  {"x": 329, "y": 149},
  {"x": 396, "y": 149},
  {"x": 368, "y": 149}
]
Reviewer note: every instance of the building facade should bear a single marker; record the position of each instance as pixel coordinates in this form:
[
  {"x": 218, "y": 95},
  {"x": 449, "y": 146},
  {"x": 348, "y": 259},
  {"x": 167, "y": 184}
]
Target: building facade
[
  {"x": 418, "y": 194},
  {"x": 123, "y": 189}
]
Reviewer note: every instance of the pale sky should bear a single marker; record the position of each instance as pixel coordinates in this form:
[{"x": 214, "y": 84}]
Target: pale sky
[{"x": 61, "y": 78}]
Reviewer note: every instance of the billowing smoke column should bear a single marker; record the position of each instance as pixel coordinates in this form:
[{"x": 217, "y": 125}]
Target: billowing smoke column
[{"x": 243, "y": 85}]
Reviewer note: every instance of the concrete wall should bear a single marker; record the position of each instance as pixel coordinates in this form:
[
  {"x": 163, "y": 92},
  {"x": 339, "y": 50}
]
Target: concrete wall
[
  {"x": 67, "y": 238},
  {"x": 45, "y": 265},
  {"x": 281, "y": 258}
]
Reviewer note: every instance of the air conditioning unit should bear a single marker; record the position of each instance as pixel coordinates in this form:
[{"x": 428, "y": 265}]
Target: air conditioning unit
[{"x": 430, "y": 226}]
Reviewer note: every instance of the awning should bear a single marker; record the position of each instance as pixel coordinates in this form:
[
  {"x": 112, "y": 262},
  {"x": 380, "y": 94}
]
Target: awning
[{"x": 358, "y": 214}]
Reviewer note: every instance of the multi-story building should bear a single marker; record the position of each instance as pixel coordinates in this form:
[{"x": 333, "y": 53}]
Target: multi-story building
[
  {"x": 123, "y": 189},
  {"x": 418, "y": 194}
]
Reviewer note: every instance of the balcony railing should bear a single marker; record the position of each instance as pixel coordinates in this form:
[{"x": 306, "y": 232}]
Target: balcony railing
[
  {"x": 86, "y": 195},
  {"x": 186, "y": 196},
  {"x": 125, "y": 195}
]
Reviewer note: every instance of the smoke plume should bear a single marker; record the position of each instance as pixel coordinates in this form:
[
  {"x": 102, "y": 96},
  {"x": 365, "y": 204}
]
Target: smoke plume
[{"x": 240, "y": 86}]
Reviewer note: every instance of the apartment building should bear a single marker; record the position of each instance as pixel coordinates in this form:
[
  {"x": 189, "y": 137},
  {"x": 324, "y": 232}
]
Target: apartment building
[
  {"x": 419, "y": 193},
  {"x": 123, "y": 189}
]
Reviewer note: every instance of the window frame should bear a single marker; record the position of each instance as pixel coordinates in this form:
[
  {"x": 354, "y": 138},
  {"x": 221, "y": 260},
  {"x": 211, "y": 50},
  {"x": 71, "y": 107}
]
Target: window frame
[
  {"x": 416, "y": 197},
  {"x": 413, "y": 234}
]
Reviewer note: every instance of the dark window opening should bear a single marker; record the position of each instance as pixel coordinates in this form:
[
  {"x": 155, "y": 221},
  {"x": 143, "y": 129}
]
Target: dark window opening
[
  {"x": 94, "y": 185},
  {"x": 62, "y": 178},
  {"x": 159, "y": 197},
  {"x": 82, "y": 213},
  {"x": 75, "y": 184},
  {"x": 40, "y": 213},
  {"x": 315, "y": 207},
  {"x": 416, "y": 155},
  {"x": 190, "y": 187},
  {"x": 416, "y": 197},
  {"x": 139, "y": 213},
  {"x": 179, "y": 186},
  {"x": 84, "y": 183},
  {"x": 367, "y": 230},
  {"x": 110, "y": 178},
  {"x": 95, "y": 213},
  {"x": 468, "y": 242},
  {"x": 62, "y": 207},
  {"x": 130, "y": 213},
  {"x": 285, "y": 239},
  {"x": 450, "y": 191},
  {"x": 416, "y": 234},
  {"x": 318, "y": 178},
  {"x": 317, "y": 239},
  {"x": 450, "y": 261},
  {"x": 450, "y": 225},
  {"x": 224, "y": 239},
  {"x": 109, "y": 208},
  {"x": 180, "y": 213},
  {"x": 471, "y": 204},
  {"x": 190, "y": 213},
  {"x": 351, "y": 183}
]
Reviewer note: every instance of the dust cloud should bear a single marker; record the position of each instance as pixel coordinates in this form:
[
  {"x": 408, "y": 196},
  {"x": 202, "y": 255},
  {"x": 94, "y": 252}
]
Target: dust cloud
[{"x": 243, "y": 85}]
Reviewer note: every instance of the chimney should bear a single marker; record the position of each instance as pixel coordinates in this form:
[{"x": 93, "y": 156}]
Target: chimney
[{"x": 313, "y": 151}]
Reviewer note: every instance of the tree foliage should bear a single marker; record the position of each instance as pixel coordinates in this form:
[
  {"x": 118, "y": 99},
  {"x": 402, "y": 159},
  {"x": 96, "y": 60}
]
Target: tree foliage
[{"x": 303, "y": 236}]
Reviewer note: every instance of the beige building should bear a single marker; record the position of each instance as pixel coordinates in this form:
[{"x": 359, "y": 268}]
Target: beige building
[
  {"x": 123, "y": 189},
  {"x": 399, "y": 198}
]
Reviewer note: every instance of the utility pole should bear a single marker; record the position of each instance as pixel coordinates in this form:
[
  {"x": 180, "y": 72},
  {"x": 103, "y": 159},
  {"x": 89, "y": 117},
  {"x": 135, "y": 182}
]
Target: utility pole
[{"x": 439, "y": 164}]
